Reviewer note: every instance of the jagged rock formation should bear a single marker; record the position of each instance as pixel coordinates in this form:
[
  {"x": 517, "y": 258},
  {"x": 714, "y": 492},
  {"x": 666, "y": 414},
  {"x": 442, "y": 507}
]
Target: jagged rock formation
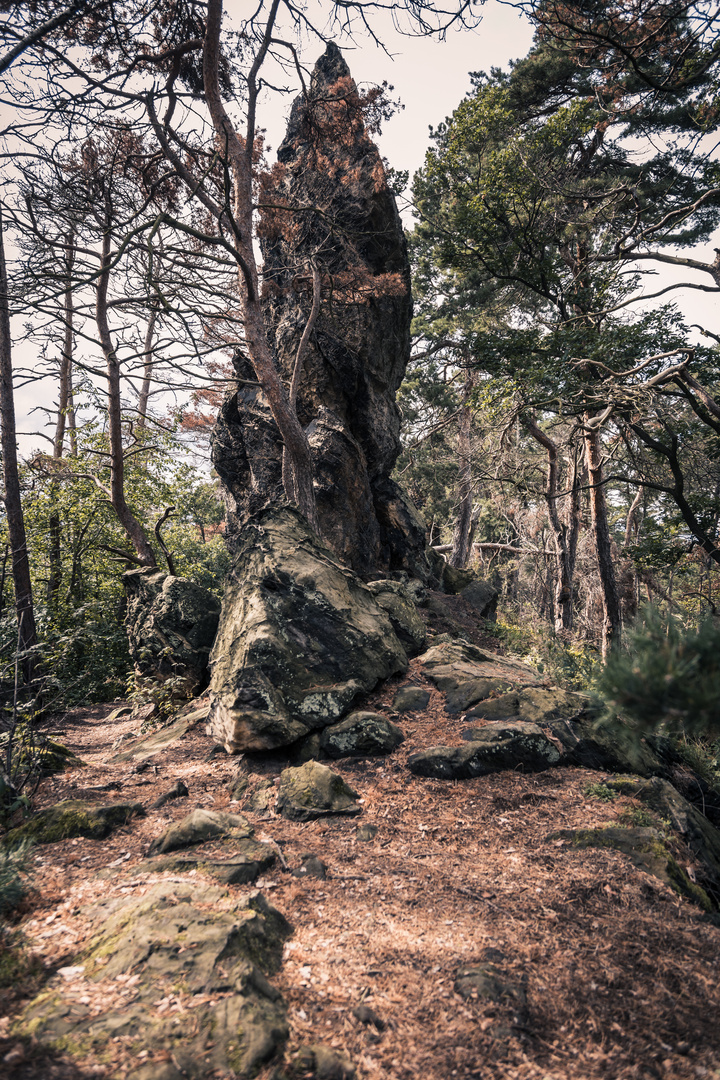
[
  {"x": 300, "y": 637},
  {"x": 343, "y": 220},
  {"x": 171, "y": 624}
]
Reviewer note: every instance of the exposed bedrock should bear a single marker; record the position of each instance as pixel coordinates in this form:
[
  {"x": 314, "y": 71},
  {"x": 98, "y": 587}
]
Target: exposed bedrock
[
  {"x": 344, "y": 221},
  {"x": 171, "y": 624},
  {"x": 300, "y": 637}
]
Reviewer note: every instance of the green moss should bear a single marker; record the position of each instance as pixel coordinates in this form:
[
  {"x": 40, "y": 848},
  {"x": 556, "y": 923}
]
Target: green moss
[
  {"x": 70, "y": 819},
  {"x": 682, "y": 884},
  {"x": 600, "y": 791},
  {"x": 636, "y": 815}
]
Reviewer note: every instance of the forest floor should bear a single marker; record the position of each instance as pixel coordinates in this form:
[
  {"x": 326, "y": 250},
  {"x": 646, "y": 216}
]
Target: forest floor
[{"x": 620, "y": 974}]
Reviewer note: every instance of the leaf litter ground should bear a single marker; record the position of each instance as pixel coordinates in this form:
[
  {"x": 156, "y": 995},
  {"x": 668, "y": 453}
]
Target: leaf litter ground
[{"x": 620, "y": 974}]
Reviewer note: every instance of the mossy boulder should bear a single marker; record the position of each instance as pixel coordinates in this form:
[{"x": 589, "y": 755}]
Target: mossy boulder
[
  {"x": 700, "y": 835},
  {"x": 72, "y": 818},
  {"x": 313, "y": 791},
  {"x": 361, "y": 734},
  {"x": 196, "y": 946},
  {"x": 171, "y": 624},
  {"x": 300, "y": 637},
  {"x": 646, "y": 848},
  {"x": 490, "y": 749},
  {"x": 45, "y": 756},
  {"x": 200, "y": 826}
]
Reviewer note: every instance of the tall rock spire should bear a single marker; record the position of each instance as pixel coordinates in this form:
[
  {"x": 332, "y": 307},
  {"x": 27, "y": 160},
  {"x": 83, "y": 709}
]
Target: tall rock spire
[{"x": 329, "y": 209}]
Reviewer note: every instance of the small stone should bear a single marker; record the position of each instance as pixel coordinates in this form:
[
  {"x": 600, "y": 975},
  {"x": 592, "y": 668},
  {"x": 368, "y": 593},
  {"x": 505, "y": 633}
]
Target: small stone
[
  {"x": 311, "y": 867},
  {"x": 366, "y": 1015},
  {"x": 262, "y": 800},
  {"x": 323, "y": 1063},
  {"x": 178, "y": 791},
  {"x": 411, "y": 699},
  {"x": 366, "y": 832},
  {"x": 313, "y": 791}
]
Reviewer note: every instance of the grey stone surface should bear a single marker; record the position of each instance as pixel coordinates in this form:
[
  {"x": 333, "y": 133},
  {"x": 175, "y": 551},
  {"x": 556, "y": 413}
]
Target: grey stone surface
[
  {"x": 171, "y": 624},
  {"x": 493, "y": 748},
  {"x": 300, "y": 637},
  {"x": 312, "y": 791},
  {"x": 398, "y": 601},
  {"x": 411, "y": 699},
  {"x": 198, "y": 827},
  {"x": 361, "y": 734}
]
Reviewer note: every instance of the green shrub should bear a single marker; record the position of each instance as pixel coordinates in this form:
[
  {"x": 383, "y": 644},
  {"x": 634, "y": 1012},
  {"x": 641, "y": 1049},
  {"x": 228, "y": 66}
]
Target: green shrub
[{"x": 667, "y": 677}]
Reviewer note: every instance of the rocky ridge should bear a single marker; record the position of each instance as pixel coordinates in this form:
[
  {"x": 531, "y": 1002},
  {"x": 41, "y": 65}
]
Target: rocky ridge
[{"x": 440, "y": 865}]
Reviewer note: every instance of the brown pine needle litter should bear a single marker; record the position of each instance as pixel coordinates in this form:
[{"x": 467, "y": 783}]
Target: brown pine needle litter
[{"x": 619, "y": 974}]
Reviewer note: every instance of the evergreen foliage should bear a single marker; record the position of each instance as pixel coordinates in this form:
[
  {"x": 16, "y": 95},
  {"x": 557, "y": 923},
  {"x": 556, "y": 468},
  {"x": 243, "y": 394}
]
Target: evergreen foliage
[{"x": 668, "y": 677}]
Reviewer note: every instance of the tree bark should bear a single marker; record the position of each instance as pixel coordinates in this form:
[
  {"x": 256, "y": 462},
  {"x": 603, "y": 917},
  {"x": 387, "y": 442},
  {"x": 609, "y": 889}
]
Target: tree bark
[
  {"x": 463, "y": 523},
  {"x": 298, "y": 476},
  {"x": 27, "y": 633},
  {"x": 612, "y": 624},
  {"x": 133, "y": 528},
  {"x": 564, "y": 563}
]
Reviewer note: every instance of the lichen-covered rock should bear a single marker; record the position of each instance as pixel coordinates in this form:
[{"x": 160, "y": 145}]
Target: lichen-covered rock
[
  {"x": 300, "y": 637},
  {"x": 171, "y": 625},
  {"x": 359, "y": 347},
  {"x": 73, "y": 817},
  {"x": 700, "y": 835},
  {"x": 491, "y": 749},
  {"x": 397, "y": 600},
  {"x": 313, "y": 791},
  {"x": 247, "y": 859},
  {"x": 186, "y": 947},
  {"x": 411, "y": 699},
  {"x": 198, "y": 827},
  {"x": 361, "y": 734},
  {"x": 646, "y": 848}
]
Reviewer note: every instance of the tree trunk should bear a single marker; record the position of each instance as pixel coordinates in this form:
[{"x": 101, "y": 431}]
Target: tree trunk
[
  {"x": 611, "y": 629},
  {"x": 463, "y": 523},
  {"x": 133, "y": 528},
  {"x": 144, "y": 397},
  {"x": 27, "y": 634},
  {"x": 298, "y": 474},
  {"x": 65, "y": 397},
  {"x": 564, "y": 562}
]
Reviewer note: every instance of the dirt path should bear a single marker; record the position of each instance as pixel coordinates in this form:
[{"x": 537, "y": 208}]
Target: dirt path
[{"x": 619, "y": 974}]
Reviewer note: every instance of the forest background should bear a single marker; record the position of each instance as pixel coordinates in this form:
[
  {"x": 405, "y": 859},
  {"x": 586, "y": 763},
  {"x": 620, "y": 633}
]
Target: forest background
[{"x": 561, "y": 414}]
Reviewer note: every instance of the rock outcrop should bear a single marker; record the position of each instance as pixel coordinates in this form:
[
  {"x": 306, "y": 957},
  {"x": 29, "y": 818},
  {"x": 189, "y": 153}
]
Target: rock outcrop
[
  {"x": 300, "y": 637},
  {"x": 171, "y": 624},
  {"x": 197, "y": 944},
  {"x": 342, "y": 220}
]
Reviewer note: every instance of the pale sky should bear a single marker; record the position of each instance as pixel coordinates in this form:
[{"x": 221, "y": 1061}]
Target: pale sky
[{"x": 430, "y": 77}]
